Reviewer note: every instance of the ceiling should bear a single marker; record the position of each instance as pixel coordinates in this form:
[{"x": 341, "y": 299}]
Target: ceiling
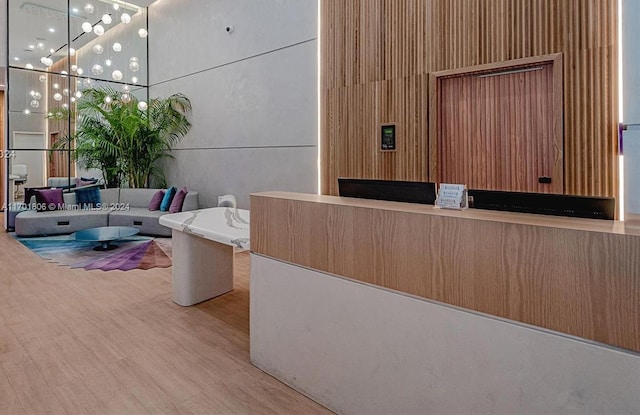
[{"x": 38, "y": 28}]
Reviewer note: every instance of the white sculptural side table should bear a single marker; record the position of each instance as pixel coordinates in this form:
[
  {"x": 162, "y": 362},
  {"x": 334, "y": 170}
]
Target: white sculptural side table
[{"x": 204, "y": 242}]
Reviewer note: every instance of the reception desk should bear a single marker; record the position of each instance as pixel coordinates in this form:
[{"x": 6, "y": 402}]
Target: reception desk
[{"x": 427, "y": 300}]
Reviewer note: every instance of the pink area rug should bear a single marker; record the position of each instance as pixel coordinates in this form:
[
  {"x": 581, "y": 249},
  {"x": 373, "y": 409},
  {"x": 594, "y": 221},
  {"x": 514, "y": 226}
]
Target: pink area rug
[{"x": 137, "y": 252}]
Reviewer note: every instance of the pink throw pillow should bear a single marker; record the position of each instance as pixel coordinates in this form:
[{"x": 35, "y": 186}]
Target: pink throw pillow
[{"x": 154, "y": 204}]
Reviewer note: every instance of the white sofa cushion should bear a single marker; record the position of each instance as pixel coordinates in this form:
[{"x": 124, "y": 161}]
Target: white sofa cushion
[
  {"x": 56, "y": 222},
  {"x": 118, "y": 207},
  {"x": 142, "y": 218}
]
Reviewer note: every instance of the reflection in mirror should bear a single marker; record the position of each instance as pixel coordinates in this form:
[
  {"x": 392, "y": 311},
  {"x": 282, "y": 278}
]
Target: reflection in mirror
[
  {"x": 120, "y": 54},
  {"x": 38, "y": 33},
  {"x": 28, "y": 167},
  {"x": 58, "y": 49}
]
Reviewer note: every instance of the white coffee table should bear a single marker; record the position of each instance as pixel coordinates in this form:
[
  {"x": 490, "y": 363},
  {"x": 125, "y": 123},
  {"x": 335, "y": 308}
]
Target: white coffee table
[{"x": 203, "y": 246}]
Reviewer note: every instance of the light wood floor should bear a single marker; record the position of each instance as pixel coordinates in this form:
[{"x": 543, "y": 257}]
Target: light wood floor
[{"x": 81, "y": 342}]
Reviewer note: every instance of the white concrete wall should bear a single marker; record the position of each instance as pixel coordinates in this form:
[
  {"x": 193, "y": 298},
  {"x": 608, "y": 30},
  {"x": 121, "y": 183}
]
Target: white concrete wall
[
  {"x": 359, "y": 349},
  {"x": 3, "y": 35},
  {"x": 631, "y": 140},
  {"x": 253, "y": 90},
  {"x": 631, "y": 103}
]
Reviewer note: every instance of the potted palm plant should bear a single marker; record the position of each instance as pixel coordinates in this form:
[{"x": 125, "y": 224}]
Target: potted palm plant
[{"x": 125, "y": 142}]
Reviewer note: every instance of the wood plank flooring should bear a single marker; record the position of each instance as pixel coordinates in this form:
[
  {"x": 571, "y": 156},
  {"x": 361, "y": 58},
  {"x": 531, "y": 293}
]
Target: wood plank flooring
[{"x": 94, "y": 342}]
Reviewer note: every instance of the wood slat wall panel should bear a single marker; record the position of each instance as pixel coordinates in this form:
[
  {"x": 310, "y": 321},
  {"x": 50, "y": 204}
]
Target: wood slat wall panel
[
  {"x": 366, "y": 43},
  {"x": 574, "y": 276}
]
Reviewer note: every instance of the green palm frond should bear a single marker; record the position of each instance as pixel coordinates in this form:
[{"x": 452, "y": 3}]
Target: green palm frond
[{"x": 125, "y": 142}]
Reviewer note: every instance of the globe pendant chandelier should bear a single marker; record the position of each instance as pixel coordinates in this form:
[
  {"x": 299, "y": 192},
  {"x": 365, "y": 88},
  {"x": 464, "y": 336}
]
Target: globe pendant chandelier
[{"x": 100, "y": 53}]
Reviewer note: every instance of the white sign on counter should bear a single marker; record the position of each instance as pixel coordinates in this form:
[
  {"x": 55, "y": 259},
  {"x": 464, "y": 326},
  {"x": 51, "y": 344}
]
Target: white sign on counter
[{"x": 452, "y": 196}]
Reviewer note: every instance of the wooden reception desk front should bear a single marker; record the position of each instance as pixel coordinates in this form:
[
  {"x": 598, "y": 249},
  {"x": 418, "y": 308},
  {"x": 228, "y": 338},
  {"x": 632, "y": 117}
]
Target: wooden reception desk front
[{"x": 579, "y": 277}]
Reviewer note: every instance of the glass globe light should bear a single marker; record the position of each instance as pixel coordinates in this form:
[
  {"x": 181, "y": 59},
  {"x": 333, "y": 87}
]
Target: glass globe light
[
  {"x": 32, "y": 93},
  {"x": 88, "y": 8},
  {"x": 107, "y": 99},
  {"x": 97, "y": 69},
  {"x": 34, "y": 103},
  {"x": 126, "y": 98},
  {"x": 126, "y": 88},
  {"x": 142, "y": 106},
  {"x": 65, "y": 92},
  {"x": 73, "y": 99},
  {"x": 86, "y": 27},
  {"x": 134, "y": 66},
  {"x": 80, "y": 71},
  {"x": 125, "y": 18},
  {"x": 106, "y": 19},
  {"x": 74, "y": 67},
  {"x": 98, "y": 49},
  {"x": 46, "y": 61},
  {"x": 65, "y": 105},
  {"x": 42, "y": 78},
  {"x": 28, "y": 66},
  {"x": 41, "y": 45},
  {"x": 133, "y": 59},
  {"x": 98, "y": 30},
  {"x": 116, "y": 75},
  {"x": 37, "y": 95},
  {"x": 143, "y": 33},
  {"x": 57, "y": 96},
  {"x": 134, "y": 79},
  {"x": 117, "y": 47},
  {"x": 116, "y": 6},
  {"x": 108, "y": 62},
  {"x": 86, "y": 82},
  {"x": 78, "y": 94},
  {"x": 56, "y": 86},
  {"x": 72, "y": 52},
  {"x": 26, "y": 111},
  {"x": 64, "y": 73}
]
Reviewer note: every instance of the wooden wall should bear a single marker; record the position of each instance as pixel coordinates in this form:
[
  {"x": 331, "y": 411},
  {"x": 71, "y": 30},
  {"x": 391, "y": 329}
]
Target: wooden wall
[{"x": 376, "y": 56}]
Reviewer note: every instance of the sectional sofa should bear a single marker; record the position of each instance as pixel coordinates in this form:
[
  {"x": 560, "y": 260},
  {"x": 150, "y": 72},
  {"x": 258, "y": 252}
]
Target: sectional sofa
[{"x": 118, "y": 207}]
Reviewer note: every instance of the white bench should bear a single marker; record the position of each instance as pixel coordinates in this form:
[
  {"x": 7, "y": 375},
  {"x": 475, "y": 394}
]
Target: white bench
[{"x": 204, "y": 242}]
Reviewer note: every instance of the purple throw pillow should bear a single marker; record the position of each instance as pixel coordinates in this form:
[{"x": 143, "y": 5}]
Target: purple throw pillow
[
  {"x": 154, "y": 204},
  {"x": 49, "y": 199},
  {"x": 178, "y": 200}
]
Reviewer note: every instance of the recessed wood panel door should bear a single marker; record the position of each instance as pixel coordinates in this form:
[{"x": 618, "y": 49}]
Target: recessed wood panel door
[{"x": 498, "y": 130}]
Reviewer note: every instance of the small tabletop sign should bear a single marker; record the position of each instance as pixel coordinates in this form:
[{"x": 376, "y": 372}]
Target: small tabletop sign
[{"x": 452, "y": 196}]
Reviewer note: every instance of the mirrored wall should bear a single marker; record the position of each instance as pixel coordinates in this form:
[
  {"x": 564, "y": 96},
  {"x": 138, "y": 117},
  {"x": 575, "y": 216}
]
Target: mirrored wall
[{"x": 58, "y": 51}]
